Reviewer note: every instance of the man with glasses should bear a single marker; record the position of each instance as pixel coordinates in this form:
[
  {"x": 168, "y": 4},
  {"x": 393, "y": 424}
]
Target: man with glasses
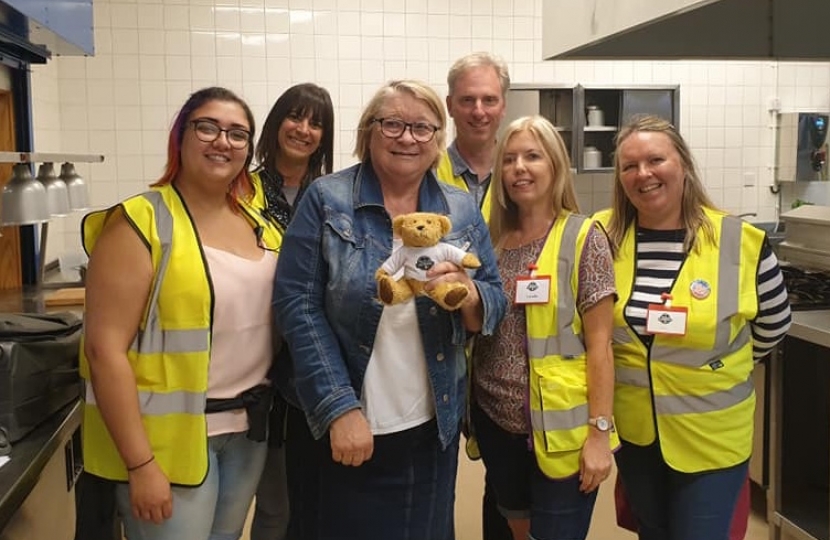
[{"x": 478, "y": 85}]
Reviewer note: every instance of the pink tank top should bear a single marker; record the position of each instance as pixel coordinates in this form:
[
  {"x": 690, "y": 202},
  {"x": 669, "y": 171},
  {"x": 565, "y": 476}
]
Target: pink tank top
[{"x": 242, "y": 346}]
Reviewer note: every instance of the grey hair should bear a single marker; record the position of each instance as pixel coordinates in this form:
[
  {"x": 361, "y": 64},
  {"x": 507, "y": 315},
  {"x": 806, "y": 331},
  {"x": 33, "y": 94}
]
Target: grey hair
[
  {"x": 418, "y": 90},
  {"x": 479, "y": 59}
]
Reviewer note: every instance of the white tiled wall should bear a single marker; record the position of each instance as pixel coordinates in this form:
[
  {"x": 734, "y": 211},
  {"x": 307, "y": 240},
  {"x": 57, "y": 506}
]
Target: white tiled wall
[{"x": 150, "y": 54}]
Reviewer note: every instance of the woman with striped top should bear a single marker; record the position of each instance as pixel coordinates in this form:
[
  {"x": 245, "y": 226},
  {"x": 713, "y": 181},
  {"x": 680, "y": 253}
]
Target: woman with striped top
[{"x": 700, "y": 297}]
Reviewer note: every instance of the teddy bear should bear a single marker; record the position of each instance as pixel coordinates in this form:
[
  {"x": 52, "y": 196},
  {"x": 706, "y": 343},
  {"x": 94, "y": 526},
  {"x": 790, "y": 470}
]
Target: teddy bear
[{"x": 421, "y": 234}]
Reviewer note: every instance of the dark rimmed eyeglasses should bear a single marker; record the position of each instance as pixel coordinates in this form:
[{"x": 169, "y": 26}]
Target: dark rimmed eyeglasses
[
  {"x": 394, "y": 128},
  {"x": 208, "y": 131}
]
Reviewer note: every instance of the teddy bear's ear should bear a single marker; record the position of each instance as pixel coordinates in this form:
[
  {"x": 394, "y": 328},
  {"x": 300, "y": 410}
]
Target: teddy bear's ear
[
  {"x": 397, "y": 225},
  {"x": 446, "y": 225}
]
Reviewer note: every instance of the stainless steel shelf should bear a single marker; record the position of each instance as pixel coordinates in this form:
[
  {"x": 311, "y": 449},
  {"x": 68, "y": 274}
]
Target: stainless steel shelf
[{"x": 46, "y": 157}]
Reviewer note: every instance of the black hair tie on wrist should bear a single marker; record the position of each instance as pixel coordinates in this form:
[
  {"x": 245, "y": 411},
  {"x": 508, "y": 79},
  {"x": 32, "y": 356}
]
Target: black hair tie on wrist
[{"x": 140, "y": 465}]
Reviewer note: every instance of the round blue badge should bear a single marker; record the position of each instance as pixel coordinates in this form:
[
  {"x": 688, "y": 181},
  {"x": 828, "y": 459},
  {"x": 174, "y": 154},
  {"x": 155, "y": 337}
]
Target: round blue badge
[{"x": 700, "y": 289}]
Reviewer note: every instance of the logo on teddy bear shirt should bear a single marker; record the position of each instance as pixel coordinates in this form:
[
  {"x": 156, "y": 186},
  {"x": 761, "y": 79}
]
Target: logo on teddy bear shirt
[{"x": 424, "y": 263}]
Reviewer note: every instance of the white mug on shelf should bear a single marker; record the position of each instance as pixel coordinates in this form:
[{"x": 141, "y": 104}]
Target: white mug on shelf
[
  {"x": 591, "y": 158},
  {"x": 595, "y": 116}
]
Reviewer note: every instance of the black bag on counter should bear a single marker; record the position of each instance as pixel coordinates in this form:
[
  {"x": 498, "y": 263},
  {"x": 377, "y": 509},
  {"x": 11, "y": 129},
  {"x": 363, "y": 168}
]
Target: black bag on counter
[{"x": 38, "y": 368}]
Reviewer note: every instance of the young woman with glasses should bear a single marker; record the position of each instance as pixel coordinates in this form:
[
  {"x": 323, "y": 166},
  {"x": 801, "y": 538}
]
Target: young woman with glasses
[{"x": 175, "y": 356}]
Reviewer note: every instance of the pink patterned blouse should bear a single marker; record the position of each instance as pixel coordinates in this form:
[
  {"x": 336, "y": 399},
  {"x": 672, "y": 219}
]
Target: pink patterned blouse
[{"x": 500, "y": 361}]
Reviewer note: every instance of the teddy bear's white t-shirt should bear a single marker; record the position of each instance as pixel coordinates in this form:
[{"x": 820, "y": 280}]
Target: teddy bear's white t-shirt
[
  {"x": 416, "y": 261},
  {"x": 397, "y": 394}
]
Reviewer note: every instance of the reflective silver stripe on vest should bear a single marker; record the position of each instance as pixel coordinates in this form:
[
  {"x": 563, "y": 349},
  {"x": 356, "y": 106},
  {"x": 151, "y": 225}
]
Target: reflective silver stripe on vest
[
  {"x": 715, "y": 401},
  {"x": 565, "y": 343},
  {"x": 156, "y": 340},
  {"x": 161, "y": 403},
  {"x": 559, "y": 420},
  {"x": 729, "y": 268},
  {"x": 631, "y": 376},
  {"x": 153, "y": 339},
  {"x": 620, "y": 335},
  {"x": 698, "y": 358}
]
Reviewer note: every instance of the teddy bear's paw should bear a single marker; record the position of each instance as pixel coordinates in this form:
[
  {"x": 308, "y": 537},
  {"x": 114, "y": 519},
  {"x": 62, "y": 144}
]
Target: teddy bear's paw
[
  {"x": 470, "y": 261},
  {"x": 454, "y": 298},
  {"x": 386, "y": 291}
]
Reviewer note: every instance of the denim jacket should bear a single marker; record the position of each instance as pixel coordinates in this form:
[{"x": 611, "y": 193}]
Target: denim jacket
[{"x": 325, "y": 295}]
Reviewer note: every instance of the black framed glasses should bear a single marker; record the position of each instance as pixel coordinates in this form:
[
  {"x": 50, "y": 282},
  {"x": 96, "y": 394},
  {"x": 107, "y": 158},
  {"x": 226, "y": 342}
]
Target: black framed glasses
[
  {"x": 394, "y": 128},
  {"x": 209, "y": 131}
]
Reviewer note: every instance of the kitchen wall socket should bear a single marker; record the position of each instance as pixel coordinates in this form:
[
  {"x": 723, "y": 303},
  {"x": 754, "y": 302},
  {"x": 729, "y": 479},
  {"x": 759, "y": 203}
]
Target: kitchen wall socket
[
  {"x": 750, "y": 179},
  {"x": 774, "y": 104}
]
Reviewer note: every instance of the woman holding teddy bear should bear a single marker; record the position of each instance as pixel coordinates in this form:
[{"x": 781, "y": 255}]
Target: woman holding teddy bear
[{"x": 383, "y": 386}]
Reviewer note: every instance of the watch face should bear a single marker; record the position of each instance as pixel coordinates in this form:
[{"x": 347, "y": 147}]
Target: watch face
[{"x": 603, "y": 424}]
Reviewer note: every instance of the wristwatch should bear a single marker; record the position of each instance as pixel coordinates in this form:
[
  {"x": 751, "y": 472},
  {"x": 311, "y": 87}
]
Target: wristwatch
[{"x": 602, "y": 423}]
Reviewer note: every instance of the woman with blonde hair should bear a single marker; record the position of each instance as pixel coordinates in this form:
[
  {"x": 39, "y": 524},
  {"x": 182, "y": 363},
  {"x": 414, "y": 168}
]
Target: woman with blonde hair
[
  {"x": 383, "y": 387},
  {"x": 701, "y": 297},
  {"x": 552, "y": 351}
]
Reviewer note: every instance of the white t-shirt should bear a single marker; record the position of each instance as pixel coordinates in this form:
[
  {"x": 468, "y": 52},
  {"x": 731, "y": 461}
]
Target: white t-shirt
[
  {"x": 397, "y": 394},
  {"x": 416, "y": 261}
]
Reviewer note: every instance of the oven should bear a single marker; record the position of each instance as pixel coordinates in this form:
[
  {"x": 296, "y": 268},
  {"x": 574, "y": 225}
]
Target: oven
[
  {"x": 807, "y": 290},
  {"x": 797, "y": 427}
]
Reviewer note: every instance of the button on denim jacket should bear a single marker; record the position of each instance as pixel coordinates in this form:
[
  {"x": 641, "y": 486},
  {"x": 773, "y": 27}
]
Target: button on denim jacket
[{"x": 325, "y": 295}]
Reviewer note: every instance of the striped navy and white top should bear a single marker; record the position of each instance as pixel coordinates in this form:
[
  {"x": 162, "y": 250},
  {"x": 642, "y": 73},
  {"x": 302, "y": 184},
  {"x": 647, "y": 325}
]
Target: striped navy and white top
[{"x": 659, "y": 257}]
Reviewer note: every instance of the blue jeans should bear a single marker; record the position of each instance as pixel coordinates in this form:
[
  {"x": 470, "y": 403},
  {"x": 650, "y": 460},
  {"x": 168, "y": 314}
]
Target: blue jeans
[
  {"x": 493, "y": 525},
  {"x": 670, "y": 505},
  {"x": 217, "y": 509},
  {"x": 557, "y": 509},
  {"x": 406, "y": 491}
]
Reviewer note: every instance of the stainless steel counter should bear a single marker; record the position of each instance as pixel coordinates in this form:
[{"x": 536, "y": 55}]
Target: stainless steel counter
[
  {"x": 812, "y": 326},
  {"x": 798, "y": 498},
  {"x": 37, "y": 486},
  {"x": 37, "y": 493}
]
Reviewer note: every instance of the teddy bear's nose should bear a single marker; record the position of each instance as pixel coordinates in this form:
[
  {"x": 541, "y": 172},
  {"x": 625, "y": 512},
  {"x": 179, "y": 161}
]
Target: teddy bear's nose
[{"x": 420, "y": 227}]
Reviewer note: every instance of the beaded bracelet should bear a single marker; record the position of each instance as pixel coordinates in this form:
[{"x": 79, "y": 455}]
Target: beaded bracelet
[{"x": 140, "y": 465}]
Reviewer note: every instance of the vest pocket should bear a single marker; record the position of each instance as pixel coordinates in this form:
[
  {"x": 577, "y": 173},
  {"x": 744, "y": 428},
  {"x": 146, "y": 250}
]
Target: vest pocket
[{"x": 562, "y": 397}]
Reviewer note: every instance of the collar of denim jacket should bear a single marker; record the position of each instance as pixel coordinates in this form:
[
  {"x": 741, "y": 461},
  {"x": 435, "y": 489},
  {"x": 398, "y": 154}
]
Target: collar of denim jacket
[{"x": 367, "y": 191}]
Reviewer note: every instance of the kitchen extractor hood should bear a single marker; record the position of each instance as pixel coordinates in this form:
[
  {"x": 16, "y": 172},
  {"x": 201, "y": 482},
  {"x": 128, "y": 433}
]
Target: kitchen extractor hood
[
  {"x": 689, "y": 29},
  {"x": 32, "y": 30}
]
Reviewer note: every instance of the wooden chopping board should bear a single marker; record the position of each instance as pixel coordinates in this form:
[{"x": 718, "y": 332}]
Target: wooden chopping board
[{"x": 72, "y": 296}]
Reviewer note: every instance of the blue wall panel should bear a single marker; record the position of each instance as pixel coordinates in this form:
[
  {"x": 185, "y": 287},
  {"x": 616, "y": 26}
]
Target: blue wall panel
[{"x": 70, "y": 21}]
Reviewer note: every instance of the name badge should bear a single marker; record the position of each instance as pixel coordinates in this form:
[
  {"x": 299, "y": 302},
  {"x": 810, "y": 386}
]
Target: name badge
[
  {"x": 533, "y": 290},
  {"x": 661, "y": 319}
]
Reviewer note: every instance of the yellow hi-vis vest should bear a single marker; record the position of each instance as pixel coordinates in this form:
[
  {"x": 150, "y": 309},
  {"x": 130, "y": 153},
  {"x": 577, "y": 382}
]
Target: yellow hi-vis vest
[
  {"x": 445, "y": 174},
  {"x": 258, "y": 200},
  {"x": 556, "y": 354},
  {"x": 171, "y": 350},
  {"x": 694, "y": 390}
]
